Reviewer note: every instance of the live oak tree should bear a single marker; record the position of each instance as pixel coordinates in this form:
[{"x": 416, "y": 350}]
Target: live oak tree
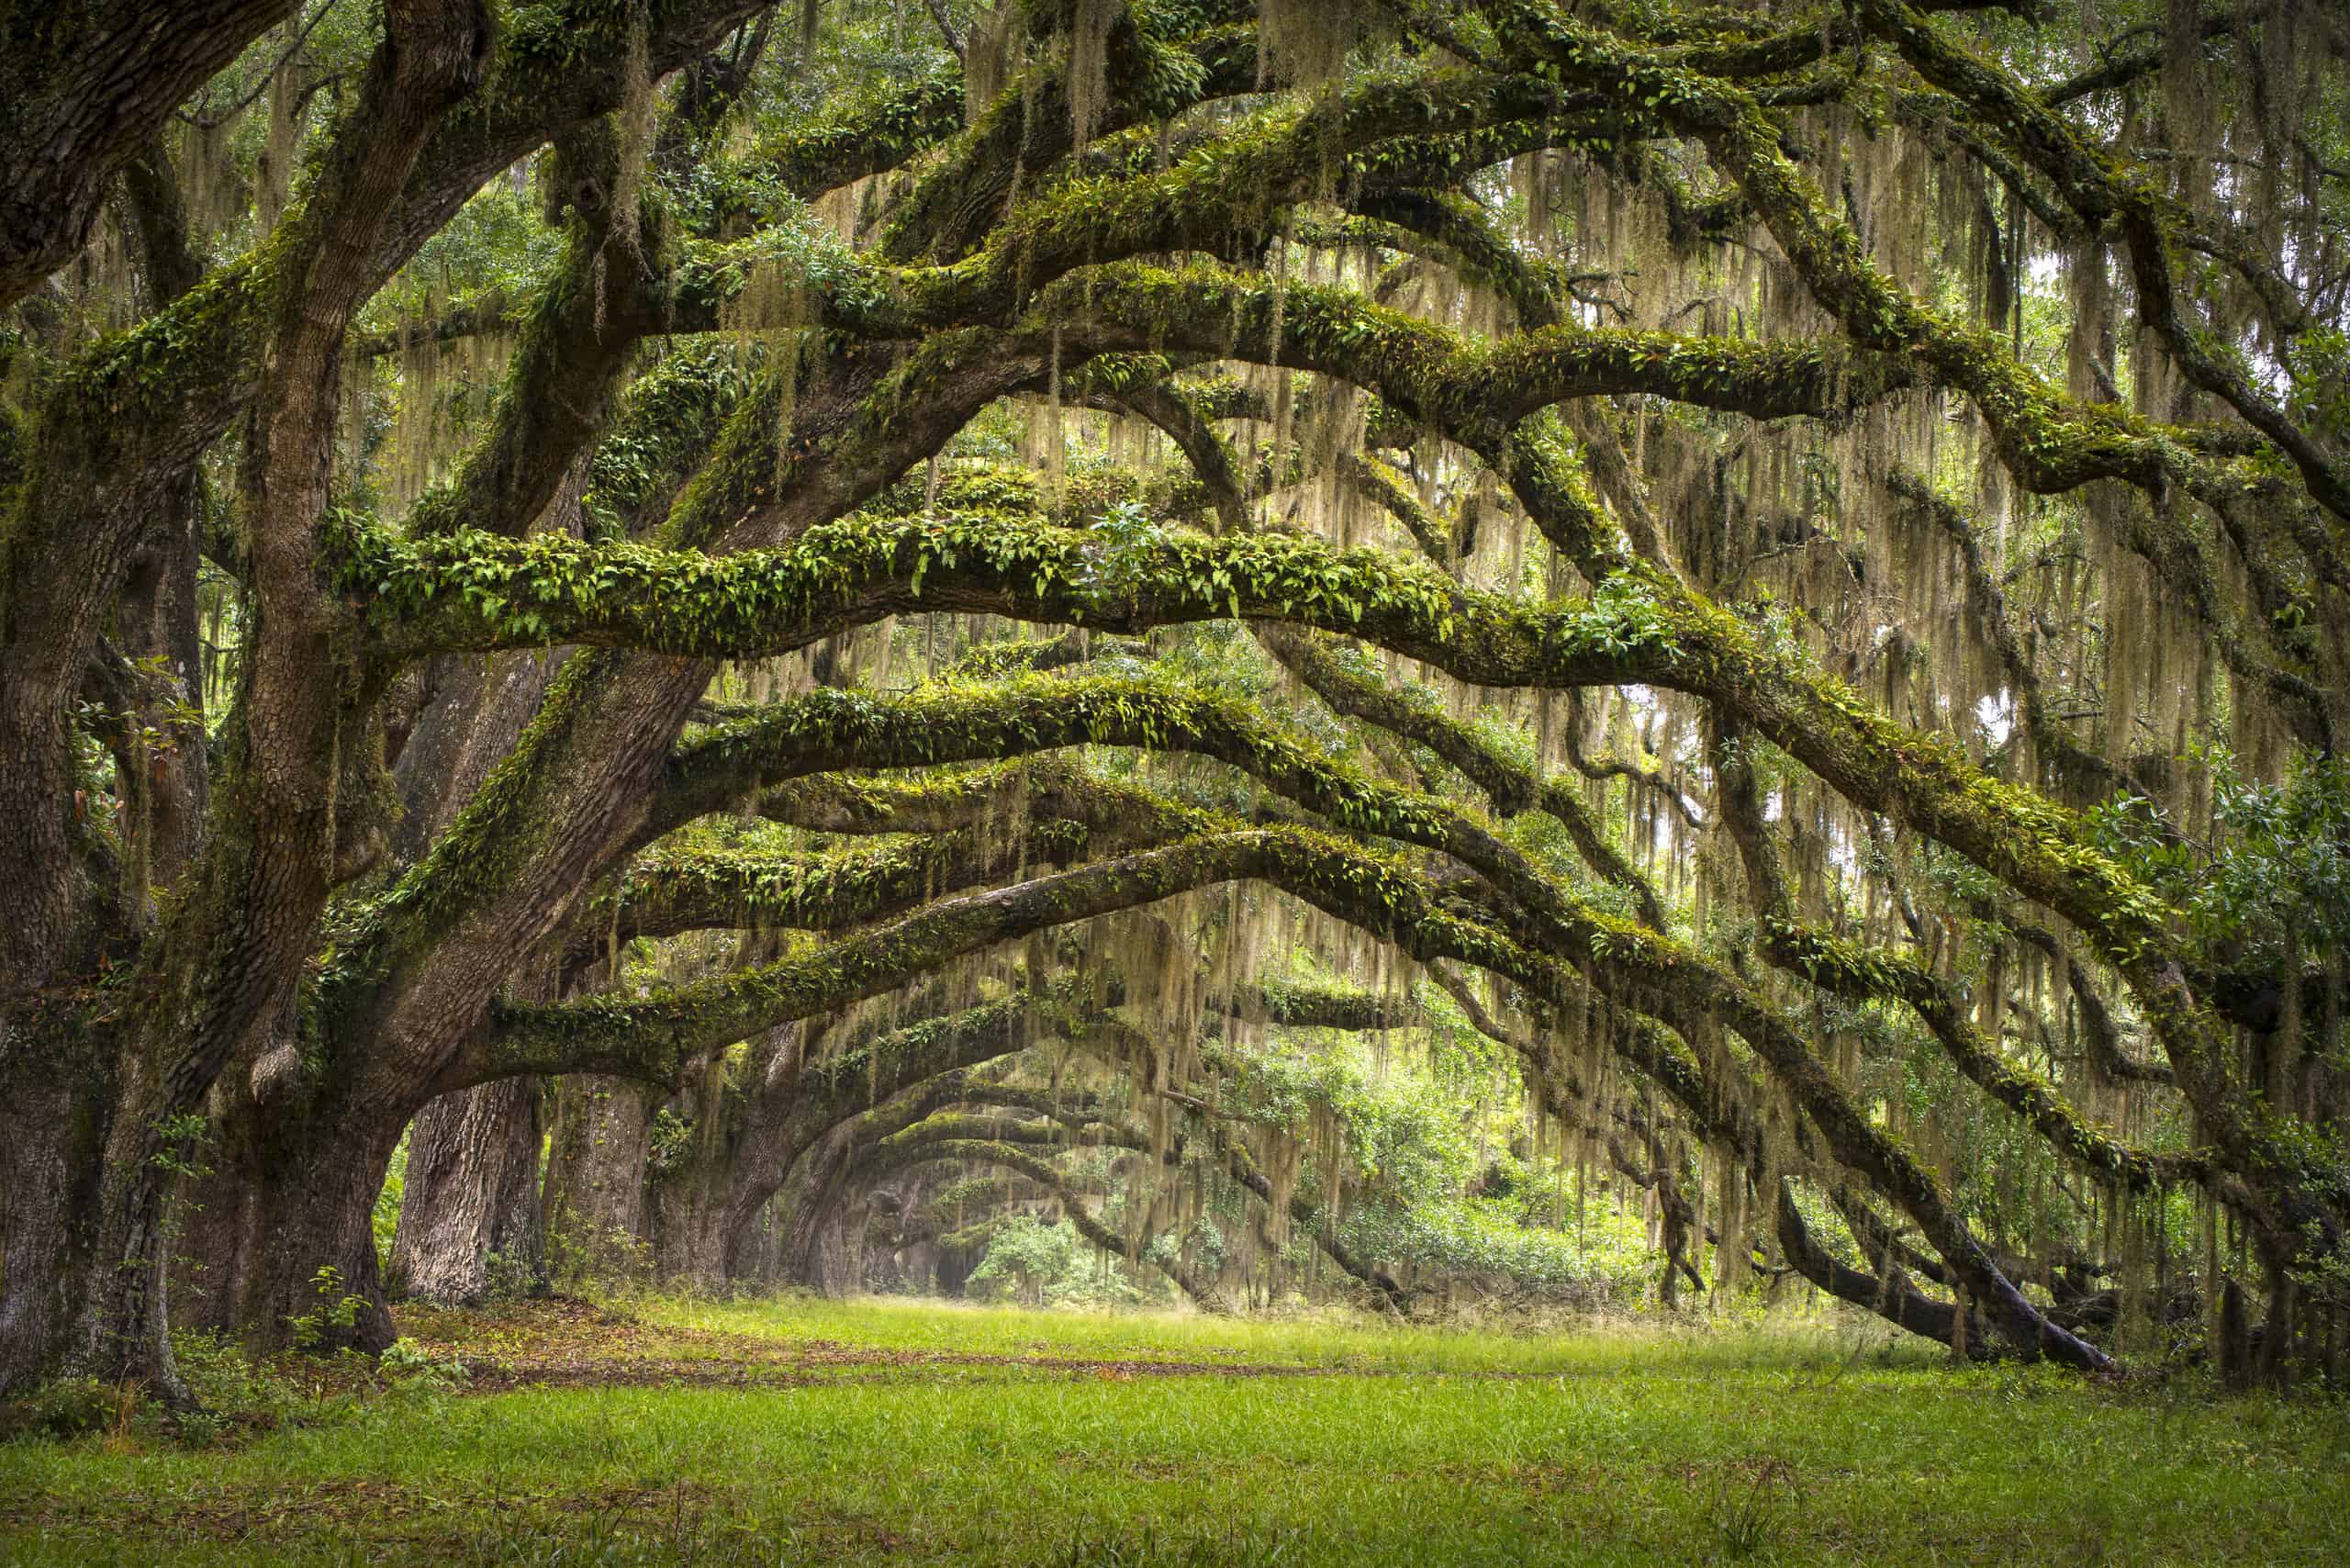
[{"x": 1792, "y": 560}]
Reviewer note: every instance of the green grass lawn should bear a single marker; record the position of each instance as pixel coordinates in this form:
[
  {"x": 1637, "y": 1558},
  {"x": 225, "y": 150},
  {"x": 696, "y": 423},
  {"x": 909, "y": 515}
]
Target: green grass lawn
[{"x": 798, "y": 1432}]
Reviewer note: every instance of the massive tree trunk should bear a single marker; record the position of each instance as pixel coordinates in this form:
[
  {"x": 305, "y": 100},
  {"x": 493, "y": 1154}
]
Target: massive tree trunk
[
  {"x": 274, "y": 1200},
  {"x": 316, "y": 1203},
  {"x": 219, "y": 1203},
  {"x": 741, "y": 1138},
  {"x": 755, "y": 1255},
  {"x": 473, "y": 1185},
  {"x": 594, "y": 1203},
  {"x": 52, "y": 1136},
  {"x": 817, "y": 1251},
  {"x": 690, "y": 1227},
  {"x": 302, "y": 757},
  {"x": 472, "y": 1192},
  {"x": 912, "y": 1261}
]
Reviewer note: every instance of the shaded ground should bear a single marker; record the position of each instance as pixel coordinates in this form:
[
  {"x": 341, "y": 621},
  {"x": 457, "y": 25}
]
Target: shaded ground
[
  {"x": 574, "y": 1344},
  {"x": 781, "y": 1433}
]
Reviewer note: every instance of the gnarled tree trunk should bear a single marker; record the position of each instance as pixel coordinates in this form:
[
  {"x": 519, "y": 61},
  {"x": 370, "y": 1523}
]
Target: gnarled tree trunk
[
  {"x": 817, "y": 1251},
  {"x": 472, "y": 1192},
  {"x": 279, "y": 1230}
]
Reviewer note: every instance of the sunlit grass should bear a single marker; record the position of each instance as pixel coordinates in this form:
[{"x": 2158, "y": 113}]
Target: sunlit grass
[
  {"x": 1619, "y": 1446},
  {"x": 1345, "y": 1341}
]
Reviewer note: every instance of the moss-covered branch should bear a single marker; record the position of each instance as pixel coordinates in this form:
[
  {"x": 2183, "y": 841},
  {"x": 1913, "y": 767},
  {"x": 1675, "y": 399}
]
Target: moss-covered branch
[
  {"x": 1146, "y": 74},
  {"x": 653, "y": 1033},
  {"x": 1048, "y": 788},
  {"x": 1638, "y": 970},
  {"x": 803, "y": 163},
  {"x": 1511, "y": 785},
  {"x": 469, "y": 592},
  {"x": 578, "y": 336},
  {"x": 2101, "y": 191},
  {"x": 2047, "y": 440},
  {"x": 1856, "y": 973},
  {"x": 680, "y": 889}
]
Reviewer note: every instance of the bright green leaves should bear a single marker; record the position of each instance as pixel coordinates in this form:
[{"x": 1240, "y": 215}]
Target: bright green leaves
[{"x": 469, "y": 590}]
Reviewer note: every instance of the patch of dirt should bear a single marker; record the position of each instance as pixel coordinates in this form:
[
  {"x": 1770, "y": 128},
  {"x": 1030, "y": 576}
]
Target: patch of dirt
[
  {"x": 235, "y": 1513},
  {"x": 274, "y": 1512},
  {"x": 574, "y": 1344}
]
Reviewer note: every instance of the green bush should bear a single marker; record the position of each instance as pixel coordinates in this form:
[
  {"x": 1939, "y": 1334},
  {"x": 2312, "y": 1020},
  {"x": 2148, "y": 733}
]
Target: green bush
[
  {"x": 69, "y": 1407},
  {"x": 409, "y": 1365},
  {"x": 221, "y": 1378},
  {"x": 1026, "y": 1257}
]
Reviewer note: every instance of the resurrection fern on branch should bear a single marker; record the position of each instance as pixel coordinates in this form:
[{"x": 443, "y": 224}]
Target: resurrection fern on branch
[{"x": 1395, "y": 651}]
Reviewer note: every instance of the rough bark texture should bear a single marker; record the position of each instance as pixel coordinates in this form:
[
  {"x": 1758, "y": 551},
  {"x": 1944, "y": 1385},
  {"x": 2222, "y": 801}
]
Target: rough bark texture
[
  {"x": 469, "y": 1211},
  {"x": 818, "y": 1245},
  {"x": 254, "y": 1235},
  {"x": 601, "y": 1136},
  {"x": 52, "y": 1136},
  {"x": 86, "y": 83}
]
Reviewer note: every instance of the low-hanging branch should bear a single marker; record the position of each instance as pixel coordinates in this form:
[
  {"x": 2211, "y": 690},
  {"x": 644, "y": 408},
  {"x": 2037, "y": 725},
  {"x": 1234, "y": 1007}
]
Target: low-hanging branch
[
  {"x": 1638, "y": 969},
  {"x": 1828, "y": 962},
  {"x": 1045, "y": 713},
  {"x": 468, "y": 592}
]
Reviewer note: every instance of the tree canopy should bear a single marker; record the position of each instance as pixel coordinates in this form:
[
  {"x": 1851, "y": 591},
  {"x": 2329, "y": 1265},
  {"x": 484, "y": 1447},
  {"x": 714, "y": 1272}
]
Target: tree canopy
[{"x": 1760, "y": 593}]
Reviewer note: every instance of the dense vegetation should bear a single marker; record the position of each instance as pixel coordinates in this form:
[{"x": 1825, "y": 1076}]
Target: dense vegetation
[{"x": 1420, "y": 652}]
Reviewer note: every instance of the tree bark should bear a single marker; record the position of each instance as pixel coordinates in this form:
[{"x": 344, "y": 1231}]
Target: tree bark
[
  {"x": 473, "y": 1171},
  {"x": 689, "y": 1230},
  {"x": 83, "y": 97},
  {"x": 279, "y": 1199},
  {"x": 1894, "y": 1300},
  {"x": 316, "y": 1211},
  {"x": 815, "y": 1248},
  {"x": 594, "y": 1202},
  {"x": 228, "y": 969},
  {"x": 472, "y": 1191},
  {"x": 52, "y": 1136}
]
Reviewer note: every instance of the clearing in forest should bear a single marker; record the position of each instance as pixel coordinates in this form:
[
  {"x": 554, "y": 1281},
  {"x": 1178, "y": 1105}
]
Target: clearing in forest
[{"x": 798, "y": 1431}]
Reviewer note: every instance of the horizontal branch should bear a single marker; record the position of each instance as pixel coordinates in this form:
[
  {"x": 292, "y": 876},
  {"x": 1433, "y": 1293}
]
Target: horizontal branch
[
  {"x": 701, "y": 888},
  {"x": 1638, "y": 969},
  {"x": 466, "y": 591}
]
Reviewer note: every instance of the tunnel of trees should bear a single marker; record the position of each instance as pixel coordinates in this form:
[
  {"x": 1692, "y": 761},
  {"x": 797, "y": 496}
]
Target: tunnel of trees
[{"x": 765, "y": 644}]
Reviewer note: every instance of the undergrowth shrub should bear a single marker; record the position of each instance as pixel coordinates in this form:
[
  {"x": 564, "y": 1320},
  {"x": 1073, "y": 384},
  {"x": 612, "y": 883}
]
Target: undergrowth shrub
[
  {"x": 69, "y": 1407},
  {"x": 509, "y": 1276},
  {"x": 586, "y": 1259}
]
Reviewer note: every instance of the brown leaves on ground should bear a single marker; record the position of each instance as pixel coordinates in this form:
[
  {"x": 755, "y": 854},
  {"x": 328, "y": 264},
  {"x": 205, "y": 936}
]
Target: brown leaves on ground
[{"x": 562, "y": 1342}]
